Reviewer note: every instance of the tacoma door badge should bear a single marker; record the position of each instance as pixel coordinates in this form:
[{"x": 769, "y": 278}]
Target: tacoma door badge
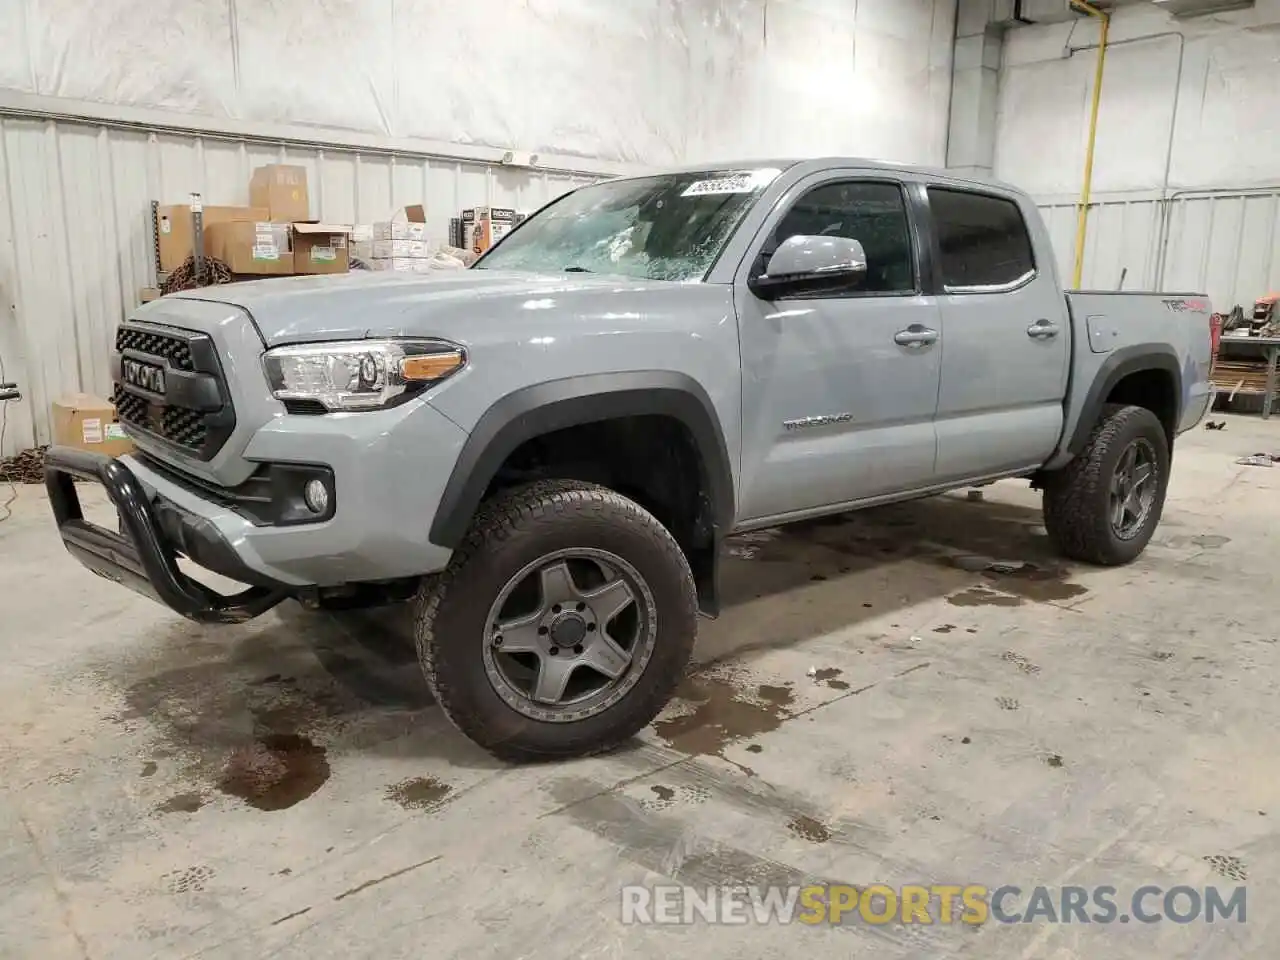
[{"x": 805, "y": 423}]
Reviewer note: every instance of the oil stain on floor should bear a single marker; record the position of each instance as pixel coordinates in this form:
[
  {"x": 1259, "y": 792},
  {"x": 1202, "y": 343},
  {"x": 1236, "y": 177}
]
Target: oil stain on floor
[
  {"x": 982, "y": 597},
  {"x": 827, "y": 676},
  {"x": 182, "y": 803},
  {"x": 419, "y": 793},
  {"x": 807, "y": 828},
  {"x": 723, "y": 714},
  {"x": 276, "y": 771},
  {"x": 1012, "y": 583},
  {"x": 1041, "y": 584}
]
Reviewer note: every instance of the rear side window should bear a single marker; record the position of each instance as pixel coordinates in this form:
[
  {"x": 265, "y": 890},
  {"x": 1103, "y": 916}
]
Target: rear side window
[{"x": 984, "y": 240}]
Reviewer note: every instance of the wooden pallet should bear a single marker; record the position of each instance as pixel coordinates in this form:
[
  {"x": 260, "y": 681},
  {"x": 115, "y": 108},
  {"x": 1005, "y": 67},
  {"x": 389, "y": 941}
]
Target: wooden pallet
[{"x": 1239, "y": 376}]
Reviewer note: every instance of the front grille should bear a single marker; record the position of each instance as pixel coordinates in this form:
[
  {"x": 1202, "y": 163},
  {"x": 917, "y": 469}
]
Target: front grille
[
  {"x": 184, "y": 426},
  {"x": 194, "y": 413},
  {"x": 173, "y": 349}
]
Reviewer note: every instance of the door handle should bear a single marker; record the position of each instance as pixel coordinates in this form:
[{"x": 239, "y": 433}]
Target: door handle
[
  {"x": 1043, "y": 330},
  {"x": 915, "y": 336}
]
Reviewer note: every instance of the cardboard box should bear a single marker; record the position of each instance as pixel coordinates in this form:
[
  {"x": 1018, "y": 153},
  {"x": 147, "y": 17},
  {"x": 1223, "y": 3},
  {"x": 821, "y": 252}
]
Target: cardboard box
[
  {"x": 147, "y": 294},
  {"x": 412, "y": 227},
  {"x": 399, "y": 230},
  {"x": 402, "y": 265},
  {"x": 282, "y": 189},
  {"x": 482, "y": 227},
  {"x": 321, "y": 248},
  {"x": 175, "y": 236},
  {"x": 385, "y": 249},
  {"x": 88, "y": 422},
  {"x": 259, "y": 248}
]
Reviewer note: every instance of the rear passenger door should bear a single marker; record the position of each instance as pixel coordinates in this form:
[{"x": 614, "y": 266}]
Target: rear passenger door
[{"x": 1007, "y": 337}]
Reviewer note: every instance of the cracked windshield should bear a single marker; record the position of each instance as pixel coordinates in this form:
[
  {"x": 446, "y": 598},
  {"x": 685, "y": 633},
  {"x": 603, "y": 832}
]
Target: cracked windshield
[{"x": 669, "y": 227}]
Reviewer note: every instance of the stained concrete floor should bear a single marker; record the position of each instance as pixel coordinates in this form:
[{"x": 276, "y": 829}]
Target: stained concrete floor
[{"x": 286, "y": 788}]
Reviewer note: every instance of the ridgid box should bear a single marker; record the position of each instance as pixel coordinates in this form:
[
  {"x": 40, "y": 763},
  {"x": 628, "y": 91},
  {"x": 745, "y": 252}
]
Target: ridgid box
[
  {"x": 260, "y": 248},
  {"x": 321, "y": 248},
  {"x": 482, "y": 227},
  {"x": 88, "y": 422},
  {"x": 282, "y": 189},
  {"x": 175, "y": 235}
]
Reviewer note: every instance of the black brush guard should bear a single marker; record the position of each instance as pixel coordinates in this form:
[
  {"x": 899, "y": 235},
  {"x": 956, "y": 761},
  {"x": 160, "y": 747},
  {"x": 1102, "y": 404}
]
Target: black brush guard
[{"x": 141, "y": 556}]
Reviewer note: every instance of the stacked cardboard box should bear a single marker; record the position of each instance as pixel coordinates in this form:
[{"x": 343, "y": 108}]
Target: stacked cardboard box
[
  {"x": 396, "y": 244},
  {"x": 273, "y": 236}
]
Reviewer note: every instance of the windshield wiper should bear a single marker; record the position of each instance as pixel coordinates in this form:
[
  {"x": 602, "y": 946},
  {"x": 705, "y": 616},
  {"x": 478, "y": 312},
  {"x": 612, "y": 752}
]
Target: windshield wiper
[{"x": 577, "y": 270}]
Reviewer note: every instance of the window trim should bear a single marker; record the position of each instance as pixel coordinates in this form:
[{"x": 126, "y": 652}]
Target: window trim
[
  {"x": 978, "y": 289},
  {"x": 918, "y": 258}
]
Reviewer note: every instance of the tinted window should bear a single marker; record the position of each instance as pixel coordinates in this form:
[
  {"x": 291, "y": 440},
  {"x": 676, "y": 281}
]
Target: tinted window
[
  {"x": 874, "y": 214},
  {"x": 984, "y": 240}
]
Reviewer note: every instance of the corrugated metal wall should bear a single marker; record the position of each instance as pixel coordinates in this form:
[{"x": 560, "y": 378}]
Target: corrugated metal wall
[
  {"x": 75, "y": 241},
  {"x": 1220, "y": 242}
]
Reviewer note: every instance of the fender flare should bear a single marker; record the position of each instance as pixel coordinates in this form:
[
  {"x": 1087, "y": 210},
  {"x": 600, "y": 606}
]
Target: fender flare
[
  {"x": 1120, "y": 364},
  {"x": 546, "y": 407}
]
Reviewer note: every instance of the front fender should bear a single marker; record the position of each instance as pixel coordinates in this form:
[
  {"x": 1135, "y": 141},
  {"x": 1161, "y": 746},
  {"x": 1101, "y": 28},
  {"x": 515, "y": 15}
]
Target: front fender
[{"x": 555, "y": 405}]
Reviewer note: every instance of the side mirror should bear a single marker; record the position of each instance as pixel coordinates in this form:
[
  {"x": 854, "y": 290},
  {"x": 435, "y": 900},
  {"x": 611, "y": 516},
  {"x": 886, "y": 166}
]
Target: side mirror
[{"x": 812, "y": 264}]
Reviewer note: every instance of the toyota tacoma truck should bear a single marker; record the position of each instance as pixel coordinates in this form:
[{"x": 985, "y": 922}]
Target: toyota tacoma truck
[{"x": 545, "y": 452}]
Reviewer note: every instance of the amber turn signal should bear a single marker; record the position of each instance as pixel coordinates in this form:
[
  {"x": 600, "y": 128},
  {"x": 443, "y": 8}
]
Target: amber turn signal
[{"x": 430, "y": 366}]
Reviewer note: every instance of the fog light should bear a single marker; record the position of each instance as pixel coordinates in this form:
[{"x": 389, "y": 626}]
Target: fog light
[{"x": 317, "y": 496}]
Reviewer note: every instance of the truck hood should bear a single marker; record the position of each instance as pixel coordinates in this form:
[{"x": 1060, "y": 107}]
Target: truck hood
[{"x": 454, "y": 304}]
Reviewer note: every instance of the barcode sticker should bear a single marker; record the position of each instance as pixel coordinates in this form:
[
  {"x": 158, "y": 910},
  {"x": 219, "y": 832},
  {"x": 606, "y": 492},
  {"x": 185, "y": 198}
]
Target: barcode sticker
[
  {"x": 323, "y": 254},
  {"x": 91, "y": 429},
  {"x": 266, "y": 251},
  {"x": 748, "y": 181},
  {"x": 116, "y": 432}
]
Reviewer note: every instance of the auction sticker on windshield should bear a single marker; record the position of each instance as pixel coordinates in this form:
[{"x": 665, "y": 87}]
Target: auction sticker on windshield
[{"x": 749, "y": 181}]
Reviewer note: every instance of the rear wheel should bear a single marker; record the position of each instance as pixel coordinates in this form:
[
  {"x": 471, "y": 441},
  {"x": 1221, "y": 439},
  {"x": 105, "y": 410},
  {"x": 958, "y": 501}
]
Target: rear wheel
[
  {"x": 561, "y": 626},
  {"x": 1104, "y": 506}
]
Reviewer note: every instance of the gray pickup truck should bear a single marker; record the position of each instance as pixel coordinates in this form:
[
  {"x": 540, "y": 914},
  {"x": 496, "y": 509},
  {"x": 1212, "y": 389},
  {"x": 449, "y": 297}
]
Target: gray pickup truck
[{"x": 545, "y": 452}]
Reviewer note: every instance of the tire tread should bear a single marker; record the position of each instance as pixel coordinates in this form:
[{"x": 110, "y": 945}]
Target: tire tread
[
  {"x": 1079, "y": 529},
  {"x": 528, "y": 511}
]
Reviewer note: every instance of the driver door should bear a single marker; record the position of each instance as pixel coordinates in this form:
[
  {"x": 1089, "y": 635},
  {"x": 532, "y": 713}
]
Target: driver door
[{"x": 840, "y": 388}]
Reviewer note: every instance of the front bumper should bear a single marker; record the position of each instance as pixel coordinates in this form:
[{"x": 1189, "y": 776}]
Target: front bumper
[{"x": 142, "y": 554}]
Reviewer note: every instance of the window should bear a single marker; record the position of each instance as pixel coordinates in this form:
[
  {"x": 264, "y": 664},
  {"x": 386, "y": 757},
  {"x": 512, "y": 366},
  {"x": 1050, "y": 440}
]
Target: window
[
  {"x": 983, "y": 239},
  {"x": 874, "y": 214},
  {"x": 665, "y": 227}
]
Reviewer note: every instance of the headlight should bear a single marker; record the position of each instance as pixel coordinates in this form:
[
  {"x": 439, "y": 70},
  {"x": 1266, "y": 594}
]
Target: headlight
[{"x": 361, "y": 374}]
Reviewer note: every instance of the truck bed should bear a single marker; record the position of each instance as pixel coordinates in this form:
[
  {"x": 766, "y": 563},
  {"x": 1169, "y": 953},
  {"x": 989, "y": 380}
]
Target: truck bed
[{"x": 1110, "y": 326}]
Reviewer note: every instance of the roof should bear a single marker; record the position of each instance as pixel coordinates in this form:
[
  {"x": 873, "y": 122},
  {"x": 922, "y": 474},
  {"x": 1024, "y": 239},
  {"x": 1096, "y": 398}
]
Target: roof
[{"x": 818, "y": 163}]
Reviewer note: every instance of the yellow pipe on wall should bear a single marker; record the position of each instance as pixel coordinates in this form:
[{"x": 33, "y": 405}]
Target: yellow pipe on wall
[{"x": 1082, "y": 217}]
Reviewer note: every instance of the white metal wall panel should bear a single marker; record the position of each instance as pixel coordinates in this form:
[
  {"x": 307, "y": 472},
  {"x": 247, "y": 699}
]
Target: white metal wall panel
[
  {"x": 1121, "y": 238},
  {"x": 1225, "y": 243},
  {"x": 75, "y": 244}
]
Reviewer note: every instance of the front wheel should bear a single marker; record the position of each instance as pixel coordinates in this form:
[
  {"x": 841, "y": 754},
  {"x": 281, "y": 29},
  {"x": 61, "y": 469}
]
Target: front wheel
[
  {"x": 561, "y": 626},
  {"x": 1104, "y": 506}
]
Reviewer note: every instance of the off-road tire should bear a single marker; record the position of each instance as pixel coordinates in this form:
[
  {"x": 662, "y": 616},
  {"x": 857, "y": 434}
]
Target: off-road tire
[
  {"x": 1076, "y": 498},
  {"x": 510, "y": 531}
]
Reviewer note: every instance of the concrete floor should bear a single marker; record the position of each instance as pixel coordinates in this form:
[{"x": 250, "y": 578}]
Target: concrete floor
[{"x": 286, "y": 788}]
